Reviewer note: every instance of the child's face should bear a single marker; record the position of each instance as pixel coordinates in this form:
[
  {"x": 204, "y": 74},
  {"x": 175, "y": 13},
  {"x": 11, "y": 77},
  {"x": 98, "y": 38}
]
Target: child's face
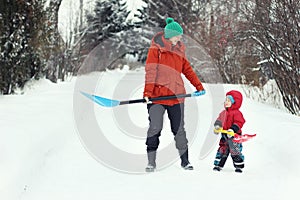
[{"x": 227, "y": 103}]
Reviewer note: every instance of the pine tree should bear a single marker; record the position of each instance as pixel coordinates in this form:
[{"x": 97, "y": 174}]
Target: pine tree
[
  {"x": 18, "y": 60},
  {"x": 108, "y": 19},
  {"x": 104, "y": 30}
]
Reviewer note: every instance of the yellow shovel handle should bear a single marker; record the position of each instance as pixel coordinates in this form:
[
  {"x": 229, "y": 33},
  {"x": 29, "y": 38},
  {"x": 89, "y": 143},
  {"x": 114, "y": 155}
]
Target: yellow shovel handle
[{"x": 220, "y": 130}]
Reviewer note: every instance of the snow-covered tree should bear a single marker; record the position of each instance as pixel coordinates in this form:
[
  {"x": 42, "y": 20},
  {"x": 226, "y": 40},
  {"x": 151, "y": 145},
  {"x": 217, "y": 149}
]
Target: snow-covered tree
[
  {"x": 54, "y": 47},
  {"x": 108, "y": 19},
  {"x": 19, "y": 61},
  {"x": 275, "y": 28},
  {"x": 103, "y": 29}
]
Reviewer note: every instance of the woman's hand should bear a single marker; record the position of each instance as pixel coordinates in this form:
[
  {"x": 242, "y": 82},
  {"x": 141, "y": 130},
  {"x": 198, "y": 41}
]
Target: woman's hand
[{"x": 198, "y": 93}]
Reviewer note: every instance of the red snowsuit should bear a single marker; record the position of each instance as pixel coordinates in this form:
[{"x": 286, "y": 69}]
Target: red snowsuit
[{"x": 231, "y": 118}]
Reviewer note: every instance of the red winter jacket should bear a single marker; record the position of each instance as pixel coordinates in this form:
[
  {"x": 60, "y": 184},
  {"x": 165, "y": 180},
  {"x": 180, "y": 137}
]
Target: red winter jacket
[
  {"x": 232, "y": 118},
  {"x": 164, "y": 66}
]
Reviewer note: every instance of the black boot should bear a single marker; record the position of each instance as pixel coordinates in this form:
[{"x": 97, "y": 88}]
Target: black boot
[
  {"x": 184, "y": 156},
  {"x": 217, "y": 168},
  {"x": 151, "y": 161},
  {"x": 238, "y": 170}
]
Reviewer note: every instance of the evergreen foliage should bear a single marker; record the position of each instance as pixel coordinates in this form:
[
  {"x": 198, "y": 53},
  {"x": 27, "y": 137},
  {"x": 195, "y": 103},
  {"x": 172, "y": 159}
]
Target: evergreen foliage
[
  {"x": 108, "y": 19},
  {"x": 18, "y": 59}
]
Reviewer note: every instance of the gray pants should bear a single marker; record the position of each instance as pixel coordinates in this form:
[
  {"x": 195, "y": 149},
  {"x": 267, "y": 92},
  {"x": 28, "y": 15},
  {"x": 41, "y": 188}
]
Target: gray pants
[{"x": 176, "y": 117}]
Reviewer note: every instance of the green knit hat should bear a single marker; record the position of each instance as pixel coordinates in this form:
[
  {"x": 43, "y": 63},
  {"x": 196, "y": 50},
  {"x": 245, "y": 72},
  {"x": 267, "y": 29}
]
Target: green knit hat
[{"x": 172, "y": 28}]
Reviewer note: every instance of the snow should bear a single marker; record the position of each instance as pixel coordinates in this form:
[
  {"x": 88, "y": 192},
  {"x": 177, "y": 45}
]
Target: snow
[
  {"x": 263, "y": 61},
  {"x": 268, "y": 94},
  {"x": 133, "y": 6},
  {"x": 43, "y": 155}
]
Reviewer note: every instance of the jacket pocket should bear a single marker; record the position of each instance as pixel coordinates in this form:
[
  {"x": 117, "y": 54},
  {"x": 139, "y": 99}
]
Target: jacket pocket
[{"x": 162, "y": 89}]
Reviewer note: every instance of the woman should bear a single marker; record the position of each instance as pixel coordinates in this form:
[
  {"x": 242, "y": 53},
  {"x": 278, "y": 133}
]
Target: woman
[{"x": 165, "y": 63}]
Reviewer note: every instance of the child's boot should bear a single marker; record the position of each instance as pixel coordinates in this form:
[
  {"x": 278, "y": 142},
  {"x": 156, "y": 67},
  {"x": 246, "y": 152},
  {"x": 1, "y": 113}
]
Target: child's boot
[
  {"x": 217, "y": 168},
  {"x": 238, "y": 170}
]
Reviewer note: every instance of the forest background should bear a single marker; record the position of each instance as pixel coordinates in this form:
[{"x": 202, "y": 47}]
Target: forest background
[{"x": 245, "y": 42}]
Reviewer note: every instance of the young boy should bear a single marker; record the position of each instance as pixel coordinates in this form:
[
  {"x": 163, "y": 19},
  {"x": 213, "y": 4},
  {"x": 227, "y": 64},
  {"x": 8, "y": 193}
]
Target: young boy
[{"x": 232, "y": 120}]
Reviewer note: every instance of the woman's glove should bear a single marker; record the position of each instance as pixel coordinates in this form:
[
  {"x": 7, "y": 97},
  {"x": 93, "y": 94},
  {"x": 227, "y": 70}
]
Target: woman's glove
[{"x": 198, "y": 93}]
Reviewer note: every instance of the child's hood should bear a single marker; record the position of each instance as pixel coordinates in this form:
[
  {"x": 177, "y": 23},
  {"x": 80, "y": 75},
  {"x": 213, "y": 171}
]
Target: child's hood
[{"x": 238, "y": 99}]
